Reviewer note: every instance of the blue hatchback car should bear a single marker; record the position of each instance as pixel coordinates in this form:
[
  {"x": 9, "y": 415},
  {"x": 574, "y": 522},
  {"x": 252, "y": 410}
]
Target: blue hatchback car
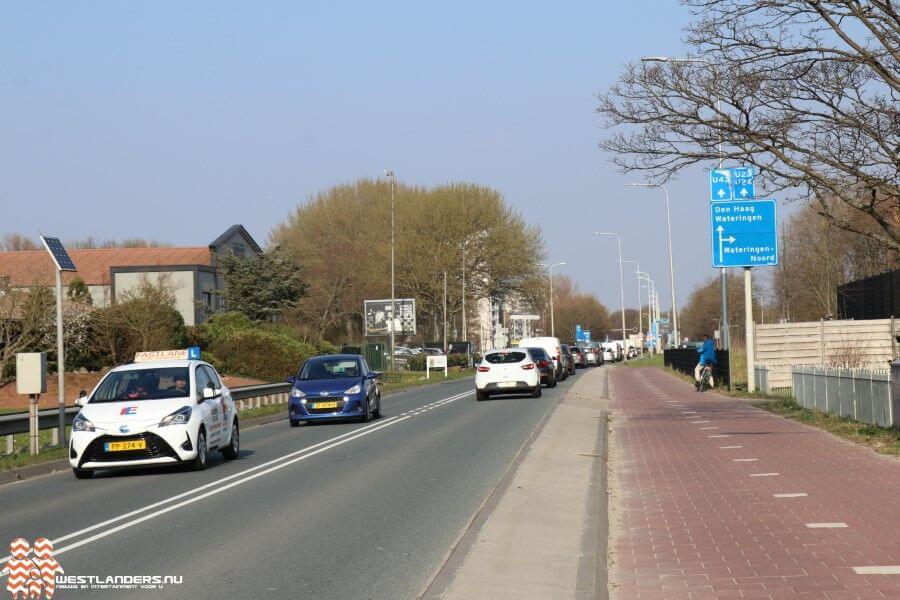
[{"x": 337, "y": 386}]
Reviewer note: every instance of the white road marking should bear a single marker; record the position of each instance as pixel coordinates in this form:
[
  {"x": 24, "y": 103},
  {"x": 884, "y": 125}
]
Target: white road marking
[
  {"x": 876, "y": 570},
  {"x": 707, "y": 428},
  {"x": 698, "y": 423},
  {"x": 745, "y": 459},
  {"x": 763, "y": 474},
  {"x": 795, "y": 495},
  {"x": 826, "y": 525},
  {"x": 283, "y": 461},
  {"x": 719, "y": 435},
  {"x": 728, "y": 447}
]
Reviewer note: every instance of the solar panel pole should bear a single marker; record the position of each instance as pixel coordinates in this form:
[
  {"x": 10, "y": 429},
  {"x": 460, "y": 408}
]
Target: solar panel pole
[{"x": 60, "y": 361}]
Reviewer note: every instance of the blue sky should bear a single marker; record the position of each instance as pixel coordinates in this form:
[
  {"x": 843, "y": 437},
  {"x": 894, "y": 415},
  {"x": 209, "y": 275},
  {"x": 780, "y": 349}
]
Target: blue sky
[{"x": 174, "y": 120}]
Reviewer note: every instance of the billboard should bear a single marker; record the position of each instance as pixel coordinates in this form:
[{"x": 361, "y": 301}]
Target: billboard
[{"x": 378, "y": 319}]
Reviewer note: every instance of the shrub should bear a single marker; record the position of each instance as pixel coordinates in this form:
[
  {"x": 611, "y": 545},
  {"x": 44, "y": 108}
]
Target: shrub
[
  {"x": 416, "y": 362},
  {"x": 260, "y": 354}
]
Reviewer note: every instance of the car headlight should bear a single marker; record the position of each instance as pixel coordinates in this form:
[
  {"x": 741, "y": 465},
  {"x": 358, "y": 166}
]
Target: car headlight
[
  {"x": 295, "y": 393},
  {"x": 80, "y": 423},
  {"x": 354, "y": 390},
  {"x": 179, "y": 417}
]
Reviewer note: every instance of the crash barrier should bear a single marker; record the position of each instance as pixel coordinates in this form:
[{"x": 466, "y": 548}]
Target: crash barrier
[
  {"x": 245, "y": 397},
  {"x": 684, "y": 360},
  {"x": 859, "y": 394}
]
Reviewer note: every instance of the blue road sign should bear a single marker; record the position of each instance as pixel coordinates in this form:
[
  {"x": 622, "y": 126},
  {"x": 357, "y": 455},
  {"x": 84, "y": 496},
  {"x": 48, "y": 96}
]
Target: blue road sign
[
  {"x": 742, "y": 183},
  {"x": 720, "y": 185},
  {"x": 579, "y": 334},
  {"x": 744, "y": 233},
  {"x": 587, "y": 335},
  {"x": 732, "y": 184}
]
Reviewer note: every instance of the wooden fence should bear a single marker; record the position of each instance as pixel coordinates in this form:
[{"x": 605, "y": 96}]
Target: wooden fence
[{"x": 845, "y": 344}]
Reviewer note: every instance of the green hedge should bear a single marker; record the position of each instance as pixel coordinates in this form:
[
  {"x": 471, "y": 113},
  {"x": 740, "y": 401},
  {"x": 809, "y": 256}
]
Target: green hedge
[{"x": 260, "y": 354}]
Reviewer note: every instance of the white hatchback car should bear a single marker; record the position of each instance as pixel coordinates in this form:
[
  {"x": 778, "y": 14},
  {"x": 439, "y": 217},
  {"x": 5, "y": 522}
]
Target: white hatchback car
[
  {"x": 508, "y": 371},
  {"x": 154, "y": 413}
]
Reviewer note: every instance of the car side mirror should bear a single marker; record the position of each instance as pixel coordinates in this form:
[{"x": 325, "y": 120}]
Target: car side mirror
[
  {"x": 291, "y": 379},
  {"x": 82, "y": 399},
  {"x": 210, "y": 393}
]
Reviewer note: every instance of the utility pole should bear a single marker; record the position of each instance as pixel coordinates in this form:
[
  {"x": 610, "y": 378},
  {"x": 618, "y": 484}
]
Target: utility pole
[
  {"x": 445, "y": 312},
  {"x": 552, "y": 318},
  {"x": 750, "y": 334},
  {"x": 393, "y": 320},
  {"x": 621, "y": 289},
  {"x": 637, "y": 277},
  {"x": 464, "y": 291}
]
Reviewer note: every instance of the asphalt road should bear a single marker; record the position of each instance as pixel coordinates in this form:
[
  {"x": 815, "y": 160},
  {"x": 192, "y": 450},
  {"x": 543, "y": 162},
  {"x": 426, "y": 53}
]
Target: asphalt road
[{"x": 325, "y": 511}]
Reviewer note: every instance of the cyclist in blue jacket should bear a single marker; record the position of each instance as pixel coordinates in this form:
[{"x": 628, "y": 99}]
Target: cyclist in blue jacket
[{"x": 707, "y": 354}]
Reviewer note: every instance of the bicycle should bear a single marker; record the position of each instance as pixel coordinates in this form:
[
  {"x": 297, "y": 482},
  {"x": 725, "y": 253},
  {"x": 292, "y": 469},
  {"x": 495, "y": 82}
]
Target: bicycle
[{"x": 705, "y": 377}]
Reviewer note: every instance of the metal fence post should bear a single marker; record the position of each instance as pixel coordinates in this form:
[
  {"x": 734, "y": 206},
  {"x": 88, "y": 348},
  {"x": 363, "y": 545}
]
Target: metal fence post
[{"x": 894, "y": 400}]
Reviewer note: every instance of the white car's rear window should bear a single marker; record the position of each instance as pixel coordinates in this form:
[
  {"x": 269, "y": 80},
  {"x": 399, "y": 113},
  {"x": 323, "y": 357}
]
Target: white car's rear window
[{"x": 499, "y": 358}]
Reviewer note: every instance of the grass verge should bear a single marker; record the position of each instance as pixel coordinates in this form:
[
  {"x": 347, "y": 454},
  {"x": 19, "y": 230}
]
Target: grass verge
[{"x": 648, "y": 360}]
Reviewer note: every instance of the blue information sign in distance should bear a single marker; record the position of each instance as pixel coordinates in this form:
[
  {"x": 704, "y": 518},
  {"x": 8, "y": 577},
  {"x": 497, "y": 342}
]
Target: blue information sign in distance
[
  {"x": 744, "y": 233},
  {"x": 742, "y": 183}
]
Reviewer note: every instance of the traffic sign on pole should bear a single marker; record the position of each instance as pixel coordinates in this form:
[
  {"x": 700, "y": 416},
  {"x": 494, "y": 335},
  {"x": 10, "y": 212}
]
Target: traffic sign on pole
[
  {"x": 744, "y": 233},
  {"x": 720, "y": 185},
  {"x": 732, "y": 184}
]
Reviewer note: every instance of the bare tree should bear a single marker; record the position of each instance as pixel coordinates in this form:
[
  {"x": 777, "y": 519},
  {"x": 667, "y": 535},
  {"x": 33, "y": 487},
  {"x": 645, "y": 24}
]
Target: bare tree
[
  {"x": 15, "y": 242},
  {"x": 808, "y": 92}
]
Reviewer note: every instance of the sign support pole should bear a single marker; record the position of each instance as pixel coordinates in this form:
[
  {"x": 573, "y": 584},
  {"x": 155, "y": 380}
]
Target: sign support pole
[
  {"x": 748, "y": 327},
  {"x": 60, "y": 360}
]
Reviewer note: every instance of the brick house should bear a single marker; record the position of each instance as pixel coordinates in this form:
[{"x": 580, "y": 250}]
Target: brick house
[{"x": 109, "y": 272}]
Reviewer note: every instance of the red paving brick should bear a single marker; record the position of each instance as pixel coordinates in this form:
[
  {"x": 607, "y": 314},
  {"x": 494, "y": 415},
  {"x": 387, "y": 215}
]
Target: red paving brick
[{"x": 688, "y": 522}]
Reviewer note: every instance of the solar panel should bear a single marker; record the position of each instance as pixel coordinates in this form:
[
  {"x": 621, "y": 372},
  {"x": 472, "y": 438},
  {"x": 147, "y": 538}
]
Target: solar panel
[{"x": 58, "y": 253}]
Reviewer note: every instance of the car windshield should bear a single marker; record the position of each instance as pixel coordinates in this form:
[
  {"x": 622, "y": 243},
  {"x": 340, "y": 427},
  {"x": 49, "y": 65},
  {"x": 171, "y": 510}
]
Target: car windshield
[
  {"x": 338, "y": 368},
  {"x": 144, "y": 384},
  {"x": 498, "y": 358}
]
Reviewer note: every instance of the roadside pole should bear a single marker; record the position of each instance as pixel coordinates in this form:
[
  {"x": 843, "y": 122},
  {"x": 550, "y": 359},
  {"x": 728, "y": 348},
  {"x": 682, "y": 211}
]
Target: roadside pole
[
  {"x": 748, "y": 327},
  {"x": 445, "y": 311}
]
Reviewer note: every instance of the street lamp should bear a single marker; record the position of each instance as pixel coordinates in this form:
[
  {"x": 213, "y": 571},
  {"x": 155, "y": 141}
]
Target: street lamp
[
  {"x": 552, "y": 322},
  {"x": 390, "y": 173},
  {"x": 671, "y": 258},
  {"x": 621, "y": 284},
  {"x": 640, "y": 318},
  {"x": 724, "y": 273}
]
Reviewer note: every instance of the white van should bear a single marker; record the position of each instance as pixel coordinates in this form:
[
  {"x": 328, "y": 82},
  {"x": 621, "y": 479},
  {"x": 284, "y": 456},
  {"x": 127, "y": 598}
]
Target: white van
[{"x": 551, "y": 345}]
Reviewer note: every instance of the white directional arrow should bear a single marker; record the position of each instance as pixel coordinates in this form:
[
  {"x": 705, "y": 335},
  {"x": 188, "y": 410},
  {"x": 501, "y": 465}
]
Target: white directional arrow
[
  {"x": 722, "y": 239},
  {"x": 721, "y": 193},
  {"x": 744, "y": 192}
]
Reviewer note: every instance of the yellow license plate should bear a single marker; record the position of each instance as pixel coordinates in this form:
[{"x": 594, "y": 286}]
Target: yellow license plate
[
  {"x": 319, "y": 405},
  {"x": 123, "y": 446}
]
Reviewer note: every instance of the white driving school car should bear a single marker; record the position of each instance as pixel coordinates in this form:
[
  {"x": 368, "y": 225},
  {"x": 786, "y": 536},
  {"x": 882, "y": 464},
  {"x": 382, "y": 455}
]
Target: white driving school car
[
  {"x": 154, "y": 412},
  {"x": 508, "y": 371}
]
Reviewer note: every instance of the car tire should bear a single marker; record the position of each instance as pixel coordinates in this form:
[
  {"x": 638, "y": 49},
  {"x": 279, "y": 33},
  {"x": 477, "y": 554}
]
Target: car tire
[
  {"x": 479, "y": 395},
  {"x": 295, "y": 423},
  {"x": 233, "y": 449},
  {"x": 200, "y": 461},
  {"x": 377, "y": 412},
  {"x": 367, "y": 415},
  {"x": 82, "y": 473},
  {"x": 536, "y": 392},
  {"x": 552, "y": 382}
]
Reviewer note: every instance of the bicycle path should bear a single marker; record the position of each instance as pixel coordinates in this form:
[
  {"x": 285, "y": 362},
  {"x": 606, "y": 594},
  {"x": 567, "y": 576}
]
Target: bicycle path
[{"x": 713, "y": 498}]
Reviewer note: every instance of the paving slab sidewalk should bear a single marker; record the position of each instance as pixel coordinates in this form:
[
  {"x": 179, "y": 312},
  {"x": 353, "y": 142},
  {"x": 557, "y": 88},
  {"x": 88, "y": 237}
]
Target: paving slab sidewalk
[
  {"x": 544, "y": 536},
  {"x": 713, "y": 498}
]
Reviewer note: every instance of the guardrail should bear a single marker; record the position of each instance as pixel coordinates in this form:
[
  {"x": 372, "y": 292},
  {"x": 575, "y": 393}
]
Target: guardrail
[{"x": 245, "y": 397}]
